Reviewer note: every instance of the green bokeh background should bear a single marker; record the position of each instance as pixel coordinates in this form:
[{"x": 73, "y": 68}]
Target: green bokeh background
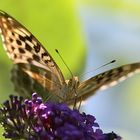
[{"x": 60, "y": 25}]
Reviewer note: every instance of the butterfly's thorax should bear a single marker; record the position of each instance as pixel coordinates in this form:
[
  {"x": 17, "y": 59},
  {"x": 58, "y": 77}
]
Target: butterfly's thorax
[{"x": 69, "y": 89}]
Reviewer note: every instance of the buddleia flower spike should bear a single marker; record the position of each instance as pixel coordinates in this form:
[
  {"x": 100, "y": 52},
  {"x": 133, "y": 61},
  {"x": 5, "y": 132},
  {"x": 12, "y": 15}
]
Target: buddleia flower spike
[{"x": 37, "y": 120}]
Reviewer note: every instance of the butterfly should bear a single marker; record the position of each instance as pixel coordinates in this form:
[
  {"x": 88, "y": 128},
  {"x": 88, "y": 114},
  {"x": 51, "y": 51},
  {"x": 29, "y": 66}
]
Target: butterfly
[{"x": 35, "y": 61}]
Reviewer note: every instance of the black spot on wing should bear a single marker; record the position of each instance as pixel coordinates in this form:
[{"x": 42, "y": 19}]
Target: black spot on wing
[
  {"x": 120, "y": 70},
  {"x": 36, "y": 57},
  {"x": 29, "y": 38},
  {"x": 13, "y": 48},
  {"x": 110, "y": 73},
  {"x": 13, "y": 34},
  {"x": 15, "y": 56},
  {"x": 46, "y": 61},
  {"x": 115, "y": 72},
  {"x": 30, "y": 60},
  {"x": 21, "y": 50},
  {"x": 27, "y": 47},
  {"x": 22, "y": 38},
  {"x": 44, "y": 54},
  {"x": 99, "y": 79},
  {"x": 18, "y": 42},
  {"x": 37, "y": 48},
  {"x": 11, "y": 40}
]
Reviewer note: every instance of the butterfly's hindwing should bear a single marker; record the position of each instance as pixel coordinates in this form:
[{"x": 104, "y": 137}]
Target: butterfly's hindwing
[{"x": 25, "y": 84}]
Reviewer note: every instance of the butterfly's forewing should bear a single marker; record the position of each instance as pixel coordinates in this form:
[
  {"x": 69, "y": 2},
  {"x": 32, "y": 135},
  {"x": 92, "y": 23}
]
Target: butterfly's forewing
[
  {"x": 107, "y": 79},
  {"x": 22, "y": 47}
]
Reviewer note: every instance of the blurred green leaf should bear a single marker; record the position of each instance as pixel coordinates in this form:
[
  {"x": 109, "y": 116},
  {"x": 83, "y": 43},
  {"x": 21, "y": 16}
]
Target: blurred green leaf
[{"x": 2, "y": 131}]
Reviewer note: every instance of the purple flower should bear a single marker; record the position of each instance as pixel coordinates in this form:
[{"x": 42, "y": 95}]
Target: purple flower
[{"x": 35, "y": 120}]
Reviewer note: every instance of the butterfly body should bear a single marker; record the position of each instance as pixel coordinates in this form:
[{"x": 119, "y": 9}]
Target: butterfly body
[
  {"x": 70, "y": 90},
  {"x": 34, "y": 61}
]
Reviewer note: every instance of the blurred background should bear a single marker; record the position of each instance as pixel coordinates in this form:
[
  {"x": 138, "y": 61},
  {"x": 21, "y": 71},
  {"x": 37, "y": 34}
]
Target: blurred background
[{"x": 88, "y": 34}]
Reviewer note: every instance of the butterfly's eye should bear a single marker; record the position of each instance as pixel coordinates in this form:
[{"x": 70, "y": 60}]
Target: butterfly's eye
[{"x": 70, "y": 81}]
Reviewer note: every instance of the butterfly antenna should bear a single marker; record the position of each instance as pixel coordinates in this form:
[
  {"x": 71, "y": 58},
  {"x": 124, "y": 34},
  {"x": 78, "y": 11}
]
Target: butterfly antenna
[
  {"x": 100, "y": 66},
  {"x": 64, "y": 61},
  {"x": 113, "y": 61}
]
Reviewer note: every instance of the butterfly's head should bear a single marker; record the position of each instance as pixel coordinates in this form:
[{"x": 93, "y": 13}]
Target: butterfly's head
[
  {"x": 70, "y": 89},
  {"x": 73, "y": 82}
]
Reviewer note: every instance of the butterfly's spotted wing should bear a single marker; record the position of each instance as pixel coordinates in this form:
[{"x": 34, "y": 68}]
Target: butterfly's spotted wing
[
  {"x": 22, "y": 47},
  {"x": 107, "y": 79},
  {"x": 25, "y": 84}
]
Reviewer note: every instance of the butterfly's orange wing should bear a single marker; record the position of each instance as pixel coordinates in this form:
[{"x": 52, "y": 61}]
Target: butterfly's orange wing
[
  {"x": 107, "y": 79},
  {"x": 22, "y": 47}
]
